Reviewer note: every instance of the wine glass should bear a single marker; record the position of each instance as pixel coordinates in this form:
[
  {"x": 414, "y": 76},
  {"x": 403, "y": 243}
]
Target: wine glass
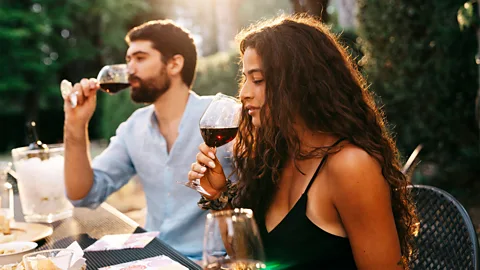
[
  {"x": 112, "y": 79},
  {"x": 232, "y": 241},
  {"x": 219, "y": 122},
  {"x": 218, "y": 126}
]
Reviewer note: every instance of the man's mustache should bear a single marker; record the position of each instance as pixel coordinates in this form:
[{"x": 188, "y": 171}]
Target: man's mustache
[{"x": 133, "y": 78}]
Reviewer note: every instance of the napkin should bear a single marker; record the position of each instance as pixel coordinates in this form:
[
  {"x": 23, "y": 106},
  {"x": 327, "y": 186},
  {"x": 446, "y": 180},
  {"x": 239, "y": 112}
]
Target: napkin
[
  {"x": 158, "y": 263},
  {"x": 122, "y": 241},
  {"x": 77, "y": 262}
]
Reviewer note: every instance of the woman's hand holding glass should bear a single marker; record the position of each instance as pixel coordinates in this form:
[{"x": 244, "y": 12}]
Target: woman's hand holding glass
[
  {"x": 208, "y": 169},
  {"x": 218, "y": 126}
]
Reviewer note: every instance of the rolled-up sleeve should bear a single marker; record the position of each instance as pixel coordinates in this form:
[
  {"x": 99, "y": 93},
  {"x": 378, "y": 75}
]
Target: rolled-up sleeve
[{"x": 112, "y": 169}]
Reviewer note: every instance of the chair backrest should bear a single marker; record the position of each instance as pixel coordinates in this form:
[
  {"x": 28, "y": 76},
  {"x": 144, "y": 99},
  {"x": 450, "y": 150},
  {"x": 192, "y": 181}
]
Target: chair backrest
[
  {"x": 446, "y": 238},
  {"x": 411, "y": 159}
]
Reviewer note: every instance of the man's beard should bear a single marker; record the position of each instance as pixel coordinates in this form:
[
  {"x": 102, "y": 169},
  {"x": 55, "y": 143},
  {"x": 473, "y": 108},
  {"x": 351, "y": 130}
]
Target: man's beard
[{"x": 149, "y": 90}]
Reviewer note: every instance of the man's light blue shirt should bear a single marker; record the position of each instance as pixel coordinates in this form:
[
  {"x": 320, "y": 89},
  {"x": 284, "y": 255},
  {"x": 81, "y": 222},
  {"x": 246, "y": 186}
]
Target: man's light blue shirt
[{"x": 139, "y": 148}]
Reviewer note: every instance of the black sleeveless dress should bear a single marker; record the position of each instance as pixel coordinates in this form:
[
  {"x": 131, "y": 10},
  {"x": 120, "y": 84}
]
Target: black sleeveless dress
[{"x": 297, "y": 243}]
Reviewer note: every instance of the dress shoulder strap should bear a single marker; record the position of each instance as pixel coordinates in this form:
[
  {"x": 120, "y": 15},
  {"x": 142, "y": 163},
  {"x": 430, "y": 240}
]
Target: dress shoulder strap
[{"x": 324, "y": 159}]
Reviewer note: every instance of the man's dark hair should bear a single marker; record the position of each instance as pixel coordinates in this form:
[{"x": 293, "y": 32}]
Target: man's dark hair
[{"x": 169, "y": 39}]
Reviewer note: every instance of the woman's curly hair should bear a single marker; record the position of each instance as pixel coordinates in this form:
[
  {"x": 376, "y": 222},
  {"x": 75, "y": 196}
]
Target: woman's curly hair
[{"x": 310, "y": 75}]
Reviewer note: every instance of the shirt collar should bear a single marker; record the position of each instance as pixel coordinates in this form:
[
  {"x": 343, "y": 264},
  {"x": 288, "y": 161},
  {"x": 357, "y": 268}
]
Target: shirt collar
[{"x": 191, "y": 102}]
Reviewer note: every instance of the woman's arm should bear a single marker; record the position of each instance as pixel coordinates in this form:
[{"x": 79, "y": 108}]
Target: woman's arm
[{"x": 361, "y": 196}]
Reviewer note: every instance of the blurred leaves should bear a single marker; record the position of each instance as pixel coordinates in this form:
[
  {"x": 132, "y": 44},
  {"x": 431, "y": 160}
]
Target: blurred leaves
[
  {"x": 421, "y": 65},
  {"x": 45, "y": 41},
  {"x": 218, "y": 73},
  {"x": 253, "y": 10},
  {"x": 43, "y": 38},
  {"x": 465, "y": 15}
]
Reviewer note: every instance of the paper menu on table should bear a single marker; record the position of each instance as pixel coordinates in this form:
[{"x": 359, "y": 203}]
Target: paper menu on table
[
  {"x": 122, "y": 241},
  {"x": 158, "y": 263}
]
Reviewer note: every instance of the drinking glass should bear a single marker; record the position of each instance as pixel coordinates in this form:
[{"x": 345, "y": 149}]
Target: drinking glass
[
  {"x": 48, "y": 259},
  {"x": 218, "y": 126},
  {"x": 232, "y": 241},
  {"x": 112, "y": 79}
]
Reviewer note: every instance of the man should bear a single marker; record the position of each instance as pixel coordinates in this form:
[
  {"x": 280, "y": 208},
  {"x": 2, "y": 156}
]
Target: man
[{"x": 157, "y": 142}]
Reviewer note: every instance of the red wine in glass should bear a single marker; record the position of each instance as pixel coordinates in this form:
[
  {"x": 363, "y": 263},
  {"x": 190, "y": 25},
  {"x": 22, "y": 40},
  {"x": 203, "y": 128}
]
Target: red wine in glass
[
  {"x": 113, "y": 87},
  {"x": 218, "y": 126},
  {"x": 113, "y": 78},
  {"x": 217, "y": 136}
]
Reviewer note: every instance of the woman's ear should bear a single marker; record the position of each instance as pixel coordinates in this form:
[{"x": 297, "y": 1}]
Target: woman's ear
[{"x": 175, "y": 65}]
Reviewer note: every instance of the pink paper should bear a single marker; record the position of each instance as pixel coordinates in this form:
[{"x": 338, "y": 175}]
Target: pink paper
[
  {"x": 122, "y": 241},
  {"x": 159, "y": 263}
]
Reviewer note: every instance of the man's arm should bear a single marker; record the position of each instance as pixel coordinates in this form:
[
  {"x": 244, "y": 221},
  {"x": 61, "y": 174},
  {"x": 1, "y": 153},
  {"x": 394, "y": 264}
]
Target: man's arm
[
  {"x": 78, "y": 170},
  {"x": 87, "y": 184},
  {"x": 108, "y": 172}
]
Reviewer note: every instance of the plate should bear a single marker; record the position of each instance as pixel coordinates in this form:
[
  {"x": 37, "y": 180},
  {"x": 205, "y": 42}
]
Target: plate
[
  {"x": 20, "y": 247},
  {"x": 30, "y": 231}
]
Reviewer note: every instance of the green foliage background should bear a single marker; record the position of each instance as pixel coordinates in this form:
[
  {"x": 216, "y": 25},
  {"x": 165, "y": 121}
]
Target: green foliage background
[{"x": 422, "y": 66}]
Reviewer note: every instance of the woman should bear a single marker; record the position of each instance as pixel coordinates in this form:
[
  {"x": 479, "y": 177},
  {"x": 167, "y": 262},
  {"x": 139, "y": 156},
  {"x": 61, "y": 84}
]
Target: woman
[{"x": 313, "y": 157}]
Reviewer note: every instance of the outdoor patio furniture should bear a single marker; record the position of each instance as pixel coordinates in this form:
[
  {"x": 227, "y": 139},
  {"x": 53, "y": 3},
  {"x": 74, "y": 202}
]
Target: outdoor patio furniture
[{"x": 446, "y": 237}]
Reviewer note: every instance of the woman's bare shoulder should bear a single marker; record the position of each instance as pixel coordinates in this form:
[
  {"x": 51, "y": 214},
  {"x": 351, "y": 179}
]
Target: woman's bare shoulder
[{"x": 353, "y": 170}]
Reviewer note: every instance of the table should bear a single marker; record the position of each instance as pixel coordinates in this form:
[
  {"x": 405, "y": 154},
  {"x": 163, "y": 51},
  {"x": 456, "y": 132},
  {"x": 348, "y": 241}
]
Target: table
[{"x": 87, "y": 225}]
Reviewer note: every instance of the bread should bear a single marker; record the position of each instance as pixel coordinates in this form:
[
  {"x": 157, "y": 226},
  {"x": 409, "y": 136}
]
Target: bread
[
  {"x": 4, "y": 224},
  {"x": 46, "y": 265}
]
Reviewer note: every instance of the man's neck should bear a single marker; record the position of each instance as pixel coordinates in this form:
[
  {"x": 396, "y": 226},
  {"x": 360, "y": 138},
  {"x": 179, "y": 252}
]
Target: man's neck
[{"x": 170, "y": 107}]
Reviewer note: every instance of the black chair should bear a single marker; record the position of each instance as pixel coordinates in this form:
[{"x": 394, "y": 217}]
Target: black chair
[
  {"x": 411, "y": 159},
  {"x": 446, "y": 238}
]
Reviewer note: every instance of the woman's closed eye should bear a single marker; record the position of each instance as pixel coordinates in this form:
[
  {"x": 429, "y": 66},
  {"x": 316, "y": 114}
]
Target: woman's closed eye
[{"x": 258, "y": 81}]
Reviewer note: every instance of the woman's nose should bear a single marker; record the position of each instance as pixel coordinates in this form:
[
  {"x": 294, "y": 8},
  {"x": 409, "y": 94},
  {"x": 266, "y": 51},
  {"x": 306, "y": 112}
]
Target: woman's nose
[{"x": 245, "y": 92}]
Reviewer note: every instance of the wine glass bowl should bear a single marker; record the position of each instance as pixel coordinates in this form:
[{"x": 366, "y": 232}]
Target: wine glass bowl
[
  {"x": 218, "y": 126},
  {"x": 232, "y": 241},
  {"x": 113, "y": 78},
  {"x": 219, "y": 122}
]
